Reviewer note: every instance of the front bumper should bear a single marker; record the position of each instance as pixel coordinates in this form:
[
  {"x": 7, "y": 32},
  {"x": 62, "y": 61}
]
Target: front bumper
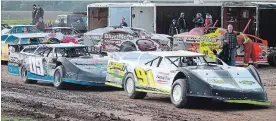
[{"x": 241, "y": 96}]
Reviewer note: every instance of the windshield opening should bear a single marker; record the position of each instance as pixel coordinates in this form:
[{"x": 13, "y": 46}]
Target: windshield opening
[
  {"x": 186, "y": 61},
  {"x": 72, "y": 52}
]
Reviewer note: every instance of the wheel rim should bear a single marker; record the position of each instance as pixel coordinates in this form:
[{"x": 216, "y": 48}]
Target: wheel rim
[
  {"x": 177, "y": 93},
  {"x": 57, "y": 79},
  {"x": 129, "y": 85}
]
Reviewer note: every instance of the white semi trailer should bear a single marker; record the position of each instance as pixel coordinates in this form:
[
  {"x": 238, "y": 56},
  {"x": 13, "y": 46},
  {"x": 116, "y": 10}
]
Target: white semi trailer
[{"x": 154, "y": 17}]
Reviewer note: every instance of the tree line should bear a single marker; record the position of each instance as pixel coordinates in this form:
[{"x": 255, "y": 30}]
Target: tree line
[{"x": 73, "y": 6}]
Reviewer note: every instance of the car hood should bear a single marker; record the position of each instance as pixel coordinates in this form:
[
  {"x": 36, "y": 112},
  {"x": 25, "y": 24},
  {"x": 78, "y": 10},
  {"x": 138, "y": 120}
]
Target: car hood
[
  {"x": 231, "y": 78},
  {"x": 161, "y": 37},
  {"x": 90, "y": 64},
  {"x": 4, "y": 31}
]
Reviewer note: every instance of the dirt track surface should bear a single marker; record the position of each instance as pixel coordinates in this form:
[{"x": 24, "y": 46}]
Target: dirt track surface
[{"x": 43, "y": 102}]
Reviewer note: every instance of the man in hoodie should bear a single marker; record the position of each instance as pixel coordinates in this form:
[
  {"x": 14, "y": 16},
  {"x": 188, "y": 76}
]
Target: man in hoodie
[
  {"x": 173, "y": 28},
  {"x": 39, "y": 13},
  {"x": 181, "y": 23},
  {"x": 33, "y": 14},
  {"x": 198, "y": 20}
]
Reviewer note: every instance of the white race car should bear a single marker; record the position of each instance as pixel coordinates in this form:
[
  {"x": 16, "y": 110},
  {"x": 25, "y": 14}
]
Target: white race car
[
  {"x": 126, "y": 39},
  {"x": 183, "y": 74}
]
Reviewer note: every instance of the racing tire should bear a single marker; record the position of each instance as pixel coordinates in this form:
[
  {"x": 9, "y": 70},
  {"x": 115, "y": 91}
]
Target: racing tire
[
  {"x": 127, "y": 49},
  {"x": 271, "y": 58},
  {"x": 24, "y": 76},
  {"x": 179, "y": 93},
  {"x": 129, "y": 87},
  {"x": 57, "y": 81}
]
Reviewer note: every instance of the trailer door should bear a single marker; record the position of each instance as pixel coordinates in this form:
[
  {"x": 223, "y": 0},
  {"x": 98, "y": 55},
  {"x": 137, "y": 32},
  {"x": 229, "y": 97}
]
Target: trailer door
[
  {"x": 97, "y": 17},
  {"x": 116, "y": 14},
  {"x": 143, "y": 17}
]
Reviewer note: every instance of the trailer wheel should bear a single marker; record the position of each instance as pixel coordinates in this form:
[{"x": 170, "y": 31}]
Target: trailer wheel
[{"x": 272, "y": 59}]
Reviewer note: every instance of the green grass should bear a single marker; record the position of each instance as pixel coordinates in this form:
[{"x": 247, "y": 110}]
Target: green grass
[{"x": 16, "y": 22}]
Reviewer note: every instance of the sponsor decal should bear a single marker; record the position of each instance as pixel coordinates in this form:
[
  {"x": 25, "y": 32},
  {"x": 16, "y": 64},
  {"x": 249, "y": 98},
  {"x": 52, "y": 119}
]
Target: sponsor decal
[
  {"x": 215, "y": 81},
  {"x": 111, "y": 41},
  {"x": 118, "y": 36},
  {"x": 115, "y": 65},
  {"x": 163, "y": 78},
  {"x": 247, "y": 82}
]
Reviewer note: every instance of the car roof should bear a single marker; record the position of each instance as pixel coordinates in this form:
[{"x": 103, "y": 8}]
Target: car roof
[
  {"x": 175, "y": 53},
  {"x": 21, "y": 25},
  {"x": 64, "y": 45},
  {"x": 59, "y": 28},
  {"x": 31, "y": 35}
]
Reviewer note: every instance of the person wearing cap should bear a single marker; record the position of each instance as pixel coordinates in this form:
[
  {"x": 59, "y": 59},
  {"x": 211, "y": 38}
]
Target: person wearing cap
[
  {"x": 181, "y": 23},
  {"x": 198, "y": 20},
  {"x": 33, "y": 14},
  {"x": 123, "y": 22},
  {"x": 173, "y": 28}
]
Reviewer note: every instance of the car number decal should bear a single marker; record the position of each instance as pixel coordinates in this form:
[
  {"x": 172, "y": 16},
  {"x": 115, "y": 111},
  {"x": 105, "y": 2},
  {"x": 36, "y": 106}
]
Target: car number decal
[
  {"x": 144, "y": 78},
  {"x": 36, "y": 65}
]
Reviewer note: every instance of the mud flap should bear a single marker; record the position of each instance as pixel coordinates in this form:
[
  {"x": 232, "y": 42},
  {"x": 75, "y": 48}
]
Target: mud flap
[{"x": 13, "y": 69}]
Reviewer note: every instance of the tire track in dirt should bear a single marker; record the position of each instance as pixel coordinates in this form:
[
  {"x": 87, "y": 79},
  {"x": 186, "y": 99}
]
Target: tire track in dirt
[{"x": 88, "y": 103}]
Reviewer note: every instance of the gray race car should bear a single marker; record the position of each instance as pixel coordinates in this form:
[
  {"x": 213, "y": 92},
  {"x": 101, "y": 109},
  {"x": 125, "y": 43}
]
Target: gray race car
[{"x": 58, "y": 63}]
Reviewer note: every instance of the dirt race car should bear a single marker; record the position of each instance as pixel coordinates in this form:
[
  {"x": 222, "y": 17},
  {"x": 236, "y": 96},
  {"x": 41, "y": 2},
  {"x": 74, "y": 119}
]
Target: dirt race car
[
  {"x": 64, "y": 34},
  {"x": 203, "y": 40},
  {"x": 114, "y": 39},
  {"x": 183, "y": 74},
  {"x": 20, "y": 40},
  {"x": 58, "y": 63}
]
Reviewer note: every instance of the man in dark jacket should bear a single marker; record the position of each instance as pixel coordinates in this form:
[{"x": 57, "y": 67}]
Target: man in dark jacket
[
  {"x": 39, "y": 13},
  {"x": 181, "y": 23},
  {"x": 123, "y": 22},
  {"x": 198, "y": 20},
  {"x": 61, "y": 23},
  {"x": 173, "y": 28},
  {"x": 33, "y": 14},
  {"x": 231, "y": 39}
]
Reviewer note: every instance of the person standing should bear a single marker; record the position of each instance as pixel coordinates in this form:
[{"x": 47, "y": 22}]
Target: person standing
[
  {"x": 61, "y": 23},
  {"x": 208, "y": 21},
  {"x": 173, "y": 28},
  {"x": 40, "y": 24},
  {"x": 231, "y": 39},
  {"x": 181, "y": 23},
  {"x": 198, "y": 20},
  {"x": 39, "y": 13},
  {"x": 33, "y": 14},
  {"x": 123, "y": 22}
]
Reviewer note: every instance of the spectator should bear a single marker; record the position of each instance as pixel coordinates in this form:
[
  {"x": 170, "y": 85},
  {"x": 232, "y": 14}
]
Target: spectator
[
  {"x": 40, "y": 24},
  {"x": 39, "y": 13},
  {"x": 33, "y": 14},
  {"x": 123, "y": 22},
  {"x": 173, "y": 28},
  {"x": 181, "y": 23},
  {"x": 208, "y": 21},
  {"x": 198, "y": 20},
  {"x": 61, "y": 23},
  {"x": 231, "y": 39}
]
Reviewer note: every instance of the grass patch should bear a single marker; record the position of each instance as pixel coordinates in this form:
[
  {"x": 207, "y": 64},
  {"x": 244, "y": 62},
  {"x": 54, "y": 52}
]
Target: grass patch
[{"x": 17, "y": 22}]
